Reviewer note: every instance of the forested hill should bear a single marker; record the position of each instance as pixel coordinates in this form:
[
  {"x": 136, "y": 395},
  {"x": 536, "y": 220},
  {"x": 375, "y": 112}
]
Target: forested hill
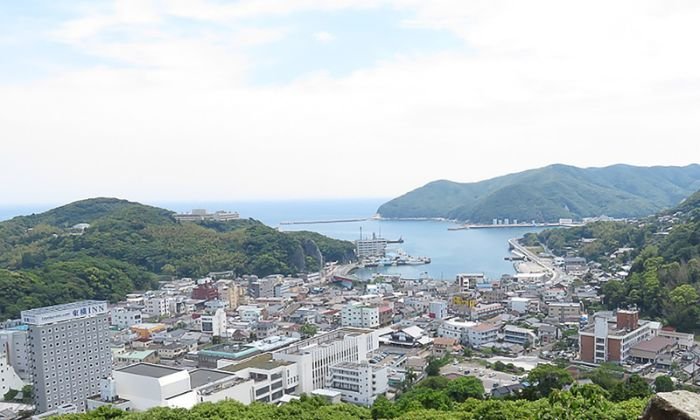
[
  {"x": 553, "y": 192},
  {"x": 664, "y": 278},
  {"x": 128, "y": 246}
]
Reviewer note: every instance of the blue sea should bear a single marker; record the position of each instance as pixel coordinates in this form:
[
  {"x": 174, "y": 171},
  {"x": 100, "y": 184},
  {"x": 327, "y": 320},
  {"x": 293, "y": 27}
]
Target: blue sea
[{"x": 451, "y": 252}]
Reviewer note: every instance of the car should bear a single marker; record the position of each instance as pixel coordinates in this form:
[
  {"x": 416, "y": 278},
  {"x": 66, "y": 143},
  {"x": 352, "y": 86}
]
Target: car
[
  {"x": 455, "y": 362},
  {"x": 492, "y": 374},
  {"x": 514, "y": 378}
]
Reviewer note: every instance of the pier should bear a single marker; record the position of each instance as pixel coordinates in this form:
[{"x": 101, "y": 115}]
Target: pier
[{"x": 513, "y": 225}]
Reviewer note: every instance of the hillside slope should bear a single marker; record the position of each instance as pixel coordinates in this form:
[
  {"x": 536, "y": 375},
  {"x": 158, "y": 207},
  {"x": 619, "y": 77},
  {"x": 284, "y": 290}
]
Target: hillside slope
[
  {"x": 553, "y": 192},
  {"x": 129, "y": 245}
]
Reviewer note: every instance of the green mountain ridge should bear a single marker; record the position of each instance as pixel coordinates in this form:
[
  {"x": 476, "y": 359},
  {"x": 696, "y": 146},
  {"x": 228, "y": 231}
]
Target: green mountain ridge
[
  {"x": 552, "y": 192},
  {"x": 130, "y": 246}
]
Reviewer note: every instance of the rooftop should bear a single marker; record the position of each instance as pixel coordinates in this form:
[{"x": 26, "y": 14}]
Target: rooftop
[
  {"x": 319, "y": 340},
  {"x": 261, "y": 361},
  {"x": 148, "y": 369},
  {"x": 201, "y": 377},
  {"x": 655, "y": 345},
  {"x": 62, "y": 307}
]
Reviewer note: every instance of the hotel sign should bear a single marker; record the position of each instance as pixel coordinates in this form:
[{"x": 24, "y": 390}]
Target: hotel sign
[{"x": 63, "y": 314}]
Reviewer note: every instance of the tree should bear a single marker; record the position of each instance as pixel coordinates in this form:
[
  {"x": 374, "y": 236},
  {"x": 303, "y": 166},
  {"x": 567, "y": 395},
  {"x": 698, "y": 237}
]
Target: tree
[
  {"x": 308, "y": 330},
  {"x": 465, "y": 387},
  {"x": 663, "y": 383},
  {"x": 634, "y": 387},
  {"x": 546, "y": 378},
  {"x": 383, "y": 408},
  {"x": 10, "y": 395},
  {"x": 433, "y": 368},
  {"x": 435, "y": 382}
]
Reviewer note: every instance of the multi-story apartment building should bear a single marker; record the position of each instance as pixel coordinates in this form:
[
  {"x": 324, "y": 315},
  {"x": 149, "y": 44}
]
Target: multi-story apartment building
[
  {"x": 468, "y": 281},
  {"x": 518, "y": 335},
  {"x": 157, "y": 306},
  {"x": 483, "y": 333},
  {"x": 437, "y": 309},
  {"x": 316, "y": 355},
  {"x": 564, "y": 311},
  {"x": 358, "y": 383},
  {"x": 610, "y": 338},
  {"x": 484, "y": 311},
  {"x": 125, "y": 317},
  {"x": 69, "y": 352},
  {"x": 359, "y": 315}
]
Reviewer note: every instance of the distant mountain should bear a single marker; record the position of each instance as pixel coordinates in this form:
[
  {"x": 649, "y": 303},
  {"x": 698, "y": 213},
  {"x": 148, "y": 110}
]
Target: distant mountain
[
  {"x": 129, "y": 246},
  {"x": 553, "y": 192}
]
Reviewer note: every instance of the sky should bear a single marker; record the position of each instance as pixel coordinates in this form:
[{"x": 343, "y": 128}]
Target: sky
[{"x": 187, "y": 100}]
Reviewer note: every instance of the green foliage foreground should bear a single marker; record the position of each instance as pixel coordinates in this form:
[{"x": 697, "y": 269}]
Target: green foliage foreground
[{"x": 585, "y": 402}]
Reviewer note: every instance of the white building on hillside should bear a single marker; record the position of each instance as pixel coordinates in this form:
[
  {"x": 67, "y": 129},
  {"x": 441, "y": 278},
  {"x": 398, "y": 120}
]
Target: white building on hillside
[{"x": 359, "y": 315}]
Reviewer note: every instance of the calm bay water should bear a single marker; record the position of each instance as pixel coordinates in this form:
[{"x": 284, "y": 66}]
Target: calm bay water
[{"x": 452, "y": 252}]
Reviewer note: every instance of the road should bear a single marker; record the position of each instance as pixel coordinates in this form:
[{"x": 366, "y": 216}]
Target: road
[
  {"x": 489, "y": 377},
  {"x": 554, "y": 273}
]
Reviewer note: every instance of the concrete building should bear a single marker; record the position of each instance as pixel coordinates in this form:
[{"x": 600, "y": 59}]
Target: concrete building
[
  {"x": 14, "y": 341},
  {"x": 316, "y": 355},
  {"x": 273, "y": 379},
  {"x": 197, "y": 215},
  {"x": 611, "y": 338},
  {"x": 518, "y": 335},
  {"x": 565, "y": 311},
  {"x": 484, "y": 311},
  {"x": 205, "y": 291},
  {"x": 157, "y": 306},
  {"x": 262, "y": 288},
  {"x": 650, "y": 351},
  {"x": 437, "y": 309},
  {"x": 148, "y": 386},
  {"x": 214, "y": 323},
  {"x": 456, "y": 329},
  {"x": 358, "y": 383},
  {"x": 519, "y": 304},
  {"x": 125, "y": 317},
  {"x": 482, "y": 334},
  {"x": 468, "y": 281},
  {"x": 250, "y": 313},
  {"x": 374, "y": 247},
  {"x": 9, "y": 379},
  {"x": 69, "y": 352},
  {"x": 359, "y": 315},
  {"x": 444, "y": 346}
]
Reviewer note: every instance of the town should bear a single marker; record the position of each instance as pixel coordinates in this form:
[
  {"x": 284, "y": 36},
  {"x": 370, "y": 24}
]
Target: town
[{"x": 328, "y": 334}]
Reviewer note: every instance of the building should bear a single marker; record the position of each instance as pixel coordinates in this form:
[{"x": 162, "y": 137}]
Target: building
[
  {"x": 444, "y": 346},
  {"x": 684, "y": 340},
  {"x": 359, "y": 315},
  {"x": 358, "y": 383},
  {"x": 125, "y": 317},
  {"x": 575, "y": 266},
  {"x": 386, "y": 315},
  {"x": 374, "y": 247},
  {"x": 520, "y": 305},
  {"x": 468, "y": 281},
  {"x": 265, "y": 329},
  {"x": 147, "y": 386},
  {"x": 565, "y": 311},
  {"x": 482, "y": 334},
  {"x": 611, "y": 338},
  {"x": 136, "y": 356},
  {"x": 147, "y": 329},
  {"x": 211, "y": 356},
  {"x": 273, "y": 379},
  {"x": 69, "y": 348},
  {"x": 412, "y": 336},
  {"x": 231, "y": 293},
  {"x": 437, "y": 309},
  {"x": 14, "y": 341},
  {"x": 9, "y": 379},
  {"x": 650, "y": 351},
  {"x": 250, "y": 313},
  {"x": 205, "y": 291},
  {"x": 316, "y": 355},
  {"x": 453, "y": 328},
  {"x": 214, "y": 323},
  {"x": 197, "y": 215},
  {"x": 157, "y": 306},
  {"x": 262, "y": 288},
  {"x": 484, "y": 311},
  {"x": 518, "y": 335}
]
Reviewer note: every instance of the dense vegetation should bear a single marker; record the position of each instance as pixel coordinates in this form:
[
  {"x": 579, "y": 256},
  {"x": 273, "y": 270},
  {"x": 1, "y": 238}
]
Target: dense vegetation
[
  {"x": 129, "y": 246},
  {"x": 664, "y": 272},
  {"x": 553, "y": 192},
  {"x": 585, "y": 402}
]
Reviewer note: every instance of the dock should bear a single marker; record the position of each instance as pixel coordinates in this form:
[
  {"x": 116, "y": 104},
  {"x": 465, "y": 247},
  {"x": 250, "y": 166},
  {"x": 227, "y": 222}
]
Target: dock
[{"x": 514, "y": 225}]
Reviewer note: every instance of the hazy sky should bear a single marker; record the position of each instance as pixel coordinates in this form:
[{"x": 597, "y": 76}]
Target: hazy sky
[{"x": 212, "y": 100}]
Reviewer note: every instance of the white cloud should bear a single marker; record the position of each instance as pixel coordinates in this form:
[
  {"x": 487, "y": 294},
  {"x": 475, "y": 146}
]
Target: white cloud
[
  {"x": 538, "y": 82},
  {"x": 324, "y": 37}
]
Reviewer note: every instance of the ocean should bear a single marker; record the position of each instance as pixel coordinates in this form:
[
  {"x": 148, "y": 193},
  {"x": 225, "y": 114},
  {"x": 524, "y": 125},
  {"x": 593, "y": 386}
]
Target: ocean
[{"x": 451, "y": 252}]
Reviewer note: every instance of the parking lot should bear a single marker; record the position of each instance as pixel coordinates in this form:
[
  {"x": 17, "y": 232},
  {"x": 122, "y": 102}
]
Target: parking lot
[{"x": 489, "y": 377}]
